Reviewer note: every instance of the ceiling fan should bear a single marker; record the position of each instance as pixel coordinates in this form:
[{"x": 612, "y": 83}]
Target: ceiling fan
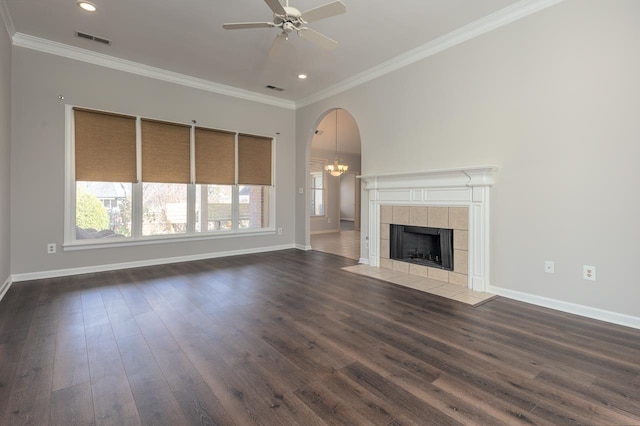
[{"x": 290, "y": 19}]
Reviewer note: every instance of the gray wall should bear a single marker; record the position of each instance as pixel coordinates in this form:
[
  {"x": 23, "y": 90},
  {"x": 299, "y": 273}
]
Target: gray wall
[
  {"x": 332, "y": 206},
  {"x": 5, "y": 133},
  {"x": 553, "y": 100},
  {"x": 348, "y": 196},
  {"x": 37, "y": 155}
]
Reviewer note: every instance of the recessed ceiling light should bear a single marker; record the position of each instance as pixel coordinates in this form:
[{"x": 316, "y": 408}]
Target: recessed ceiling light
[
  {"x": 89, "y": 7},
  {"x": 302, "y": 76}
]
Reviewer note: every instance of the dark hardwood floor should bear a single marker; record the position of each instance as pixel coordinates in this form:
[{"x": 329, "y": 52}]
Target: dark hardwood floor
[{"x": 288, "y": 338}]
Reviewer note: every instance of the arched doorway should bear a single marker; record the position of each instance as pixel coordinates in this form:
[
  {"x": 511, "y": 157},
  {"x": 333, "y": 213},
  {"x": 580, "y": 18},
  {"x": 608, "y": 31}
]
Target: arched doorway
[{"x": 334, "y": 201}]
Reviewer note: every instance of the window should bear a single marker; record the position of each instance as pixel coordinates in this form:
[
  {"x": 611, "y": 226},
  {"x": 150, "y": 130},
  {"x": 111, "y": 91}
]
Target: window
[
  {"x": 166, "y": 172},
  {"x": 164, "y": 208},
  {"x": 254, "y": 200},
  {"x": 133, "y": 178},
  {"x": 254, "y": 177},
  {"x": 103, "y": 210},
  {"x": 105, "y": 167},
  {"x": 317, "y": 188}
]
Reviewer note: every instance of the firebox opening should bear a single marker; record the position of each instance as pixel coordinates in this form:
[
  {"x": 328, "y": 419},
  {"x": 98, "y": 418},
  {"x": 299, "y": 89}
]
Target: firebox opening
[{"x": 422, "y": 245}]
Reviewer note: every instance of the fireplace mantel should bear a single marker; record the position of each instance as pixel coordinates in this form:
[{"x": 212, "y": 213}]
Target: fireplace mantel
[
  {"x": 458, "y": 187},
  {"x": 462, "y": 176}
]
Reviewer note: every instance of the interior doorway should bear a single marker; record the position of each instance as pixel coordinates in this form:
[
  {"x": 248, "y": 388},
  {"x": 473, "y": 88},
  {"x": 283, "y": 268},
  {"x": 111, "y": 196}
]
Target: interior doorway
[{"x": 335, "y": 196}]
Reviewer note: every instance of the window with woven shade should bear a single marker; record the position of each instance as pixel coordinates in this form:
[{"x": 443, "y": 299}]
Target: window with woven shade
[
  {"x": 254, "y": 160},
  {"x": 141, "y": 178},
  {"x": 215, "y": 152},
  {"x": 215, "y": 177},
  {"x": 105, "y": 169},
  {"x": 166, "y": 172},
  {"x": 105, "y": 146},
  {"x": 254, "y": 180}
]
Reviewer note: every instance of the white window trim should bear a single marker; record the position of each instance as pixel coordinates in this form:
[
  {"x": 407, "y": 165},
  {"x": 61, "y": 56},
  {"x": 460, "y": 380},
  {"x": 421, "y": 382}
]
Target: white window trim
[
  {"x": 70, "y": 243},
  {"x": 324, "y": 189}
]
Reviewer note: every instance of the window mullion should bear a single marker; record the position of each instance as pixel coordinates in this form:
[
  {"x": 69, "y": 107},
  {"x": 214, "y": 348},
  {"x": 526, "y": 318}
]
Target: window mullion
[
  {"x": 204, "y": 208},
  {"x": 136, "y": 188},
  {"x": 236, "y": 207},
  {"x": 235, "y": 200},
  {"x": 191, "y": 188}
]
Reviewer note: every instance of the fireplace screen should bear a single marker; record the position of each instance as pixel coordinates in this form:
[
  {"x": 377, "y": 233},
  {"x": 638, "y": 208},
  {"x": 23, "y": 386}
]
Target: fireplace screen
[{"x": 425, "y": 246}]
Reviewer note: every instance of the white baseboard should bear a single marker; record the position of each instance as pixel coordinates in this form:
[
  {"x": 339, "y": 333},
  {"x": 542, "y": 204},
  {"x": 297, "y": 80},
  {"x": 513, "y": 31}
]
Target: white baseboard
[
  {"x": 364, "y": 260},
  {"x": 572, "y": 308},
  {"x": 303, "y": 247},
  {"x": 328, "y": 231},
  {"x": 5, "y": 287},
  {"x": 137, "y": 264}
]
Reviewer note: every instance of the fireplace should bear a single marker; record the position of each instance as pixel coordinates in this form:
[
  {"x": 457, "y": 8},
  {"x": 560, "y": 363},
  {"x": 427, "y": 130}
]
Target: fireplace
[
  {"x": 422, "y": 245},
  {"x": 455, "y": 199}
]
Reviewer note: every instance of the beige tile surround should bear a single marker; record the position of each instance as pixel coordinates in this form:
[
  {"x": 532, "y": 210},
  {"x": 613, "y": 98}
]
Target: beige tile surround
[{"x": 456, "y": 218}]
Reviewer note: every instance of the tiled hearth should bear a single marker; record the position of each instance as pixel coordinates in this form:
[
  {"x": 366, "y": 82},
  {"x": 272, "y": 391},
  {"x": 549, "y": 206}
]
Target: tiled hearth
[{"x": 427, "y": 285}]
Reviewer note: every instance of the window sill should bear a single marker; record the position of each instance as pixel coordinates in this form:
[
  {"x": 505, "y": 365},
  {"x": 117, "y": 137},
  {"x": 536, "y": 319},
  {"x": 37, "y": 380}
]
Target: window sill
[{"x": 161, "y": 239}]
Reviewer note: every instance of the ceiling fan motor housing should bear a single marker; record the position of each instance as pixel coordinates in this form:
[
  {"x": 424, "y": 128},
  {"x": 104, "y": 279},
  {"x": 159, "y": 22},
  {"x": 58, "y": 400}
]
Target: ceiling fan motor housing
[
  {"x": 289, "y": 22},
  {"x": 292, "y": 12}
]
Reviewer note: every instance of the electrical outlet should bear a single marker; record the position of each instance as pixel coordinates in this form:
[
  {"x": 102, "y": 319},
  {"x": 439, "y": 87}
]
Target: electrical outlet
[
  {"x": 51, "y": 248},
  {"x": 589, "y": 272},
  {"x": 549, "y": 267},
  {"x": 301, "y": 190},
  {"x": 279, "y": 231}
]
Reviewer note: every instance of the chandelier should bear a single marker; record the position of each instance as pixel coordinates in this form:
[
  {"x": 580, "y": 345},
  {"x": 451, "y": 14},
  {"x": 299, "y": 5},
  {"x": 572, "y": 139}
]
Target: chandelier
[{"x": 337, "y": 168}]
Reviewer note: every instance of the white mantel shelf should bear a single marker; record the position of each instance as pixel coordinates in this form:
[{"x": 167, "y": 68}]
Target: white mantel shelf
[
  {"x": 462, "y": 186},
  {"x": 461, "y": 176}
]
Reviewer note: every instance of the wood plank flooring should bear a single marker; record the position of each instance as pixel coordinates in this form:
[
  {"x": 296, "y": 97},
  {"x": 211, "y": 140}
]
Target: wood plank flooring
[{"x": 287, "y": 338}]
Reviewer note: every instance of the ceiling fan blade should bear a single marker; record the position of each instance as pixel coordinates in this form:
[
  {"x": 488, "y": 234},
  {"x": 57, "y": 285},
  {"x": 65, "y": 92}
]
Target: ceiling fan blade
[
  {"x": 325, "y": 11},
  {"x": 319, "y": 39},
  {"x": 276, "y": 7},
  {"x": 244, "y": 25}
]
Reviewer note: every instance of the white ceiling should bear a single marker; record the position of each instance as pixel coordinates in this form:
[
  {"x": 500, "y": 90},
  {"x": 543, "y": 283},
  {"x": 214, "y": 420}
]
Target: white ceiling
[{"x": 186, "y": 36}]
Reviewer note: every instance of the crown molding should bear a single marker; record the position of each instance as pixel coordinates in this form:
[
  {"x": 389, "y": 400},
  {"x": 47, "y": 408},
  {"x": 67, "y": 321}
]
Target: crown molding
[
  {"x": 6, "y": 17},
  {"x": 84, "y": 55},
  {"x": 468, "y": 32}
]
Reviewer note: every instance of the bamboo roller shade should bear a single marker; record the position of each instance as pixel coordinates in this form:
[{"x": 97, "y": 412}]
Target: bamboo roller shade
[
  {"x": 215, "y": 157},
  {"x": 254, "y": 160},
  {"x": 105, "y": 146},
  {"x": 165, "y": 152}
]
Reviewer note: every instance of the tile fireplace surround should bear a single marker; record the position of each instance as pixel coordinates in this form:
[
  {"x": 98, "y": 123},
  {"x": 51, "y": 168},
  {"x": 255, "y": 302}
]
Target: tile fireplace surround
[
  {"x": 456, "y": 218},
  {"x": 457, "y": 199}
]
